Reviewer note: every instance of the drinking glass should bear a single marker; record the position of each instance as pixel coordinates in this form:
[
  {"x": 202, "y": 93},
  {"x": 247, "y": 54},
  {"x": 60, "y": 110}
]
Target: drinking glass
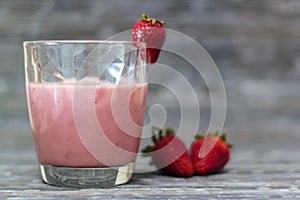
[{"x": 86, "y": 102}]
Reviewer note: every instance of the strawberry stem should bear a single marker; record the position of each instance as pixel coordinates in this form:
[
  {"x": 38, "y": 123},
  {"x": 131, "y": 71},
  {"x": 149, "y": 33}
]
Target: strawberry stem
[
  {"x": 154, "y": 129},
  {"x": 147, "y": 149},
  {"x": 216, "y": 133},
  {"x": 223, "y": 137},
  {"x": 146, "y": 18},
  {"x": 197, "y": 137},
  {"x": 153, "y": 21},
  {"x": 154, "y": 138},
  {"x": 160, "y": 134},
  {"x": 169, "y": 131}
]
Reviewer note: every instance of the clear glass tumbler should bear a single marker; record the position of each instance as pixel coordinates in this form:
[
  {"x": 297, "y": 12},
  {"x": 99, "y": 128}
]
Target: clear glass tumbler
[{"x": 86, "y": 102}]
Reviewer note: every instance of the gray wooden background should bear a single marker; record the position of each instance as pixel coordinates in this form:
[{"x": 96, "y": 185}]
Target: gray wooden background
[{"x": 255, "y": 44}]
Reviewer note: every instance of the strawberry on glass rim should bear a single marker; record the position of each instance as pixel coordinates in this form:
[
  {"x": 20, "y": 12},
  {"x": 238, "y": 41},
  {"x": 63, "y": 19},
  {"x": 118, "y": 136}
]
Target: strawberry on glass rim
[{"x": 152, "y": 32}]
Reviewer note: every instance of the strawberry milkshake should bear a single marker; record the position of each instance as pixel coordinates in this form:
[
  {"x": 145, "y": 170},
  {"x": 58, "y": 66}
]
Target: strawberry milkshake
[{"x": 57, "y": 119}]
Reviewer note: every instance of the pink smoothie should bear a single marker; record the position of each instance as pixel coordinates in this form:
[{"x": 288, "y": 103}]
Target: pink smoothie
[{"x": 86, "y": 125}]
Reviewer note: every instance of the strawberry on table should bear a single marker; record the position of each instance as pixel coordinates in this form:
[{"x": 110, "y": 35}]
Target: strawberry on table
[
  {"x": 210, "y": 153},
  {"x": 152, "y": 32},
  {"x": 169, "y": 154}
]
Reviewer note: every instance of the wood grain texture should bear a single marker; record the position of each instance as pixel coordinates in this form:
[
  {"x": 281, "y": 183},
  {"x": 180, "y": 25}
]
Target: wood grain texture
[
  {"x": 274, "y": 174},
  {"x": 256, "y": 181}
]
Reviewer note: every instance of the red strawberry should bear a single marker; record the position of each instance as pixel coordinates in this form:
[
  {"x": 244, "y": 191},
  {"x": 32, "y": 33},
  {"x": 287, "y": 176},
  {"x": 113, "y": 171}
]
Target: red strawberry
[
  {"x": 210, "y": 154},
  {"x": 169, "y": 154},
  {"x": 152, "y": 32}
]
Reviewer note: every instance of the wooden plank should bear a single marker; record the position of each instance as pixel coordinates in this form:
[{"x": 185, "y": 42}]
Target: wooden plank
[
  {"x": 257, "y": 170},
  {"x": 255, "y": 181}
]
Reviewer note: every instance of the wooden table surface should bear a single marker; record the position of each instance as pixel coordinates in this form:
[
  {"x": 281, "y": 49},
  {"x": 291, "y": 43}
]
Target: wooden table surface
[{"x": 257, "y": 170}]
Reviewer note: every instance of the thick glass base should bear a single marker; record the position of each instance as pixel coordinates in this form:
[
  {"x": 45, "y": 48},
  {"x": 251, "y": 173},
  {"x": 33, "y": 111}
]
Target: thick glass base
[{"x": 86, "y": 177}]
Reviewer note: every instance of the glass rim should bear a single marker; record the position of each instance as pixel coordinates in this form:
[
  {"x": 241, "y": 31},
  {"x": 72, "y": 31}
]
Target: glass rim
[{"x": 28, "y": 42}]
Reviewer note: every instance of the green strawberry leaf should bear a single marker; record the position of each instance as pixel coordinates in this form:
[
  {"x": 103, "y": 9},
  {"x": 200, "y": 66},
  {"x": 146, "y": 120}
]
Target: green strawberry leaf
[{"x": 147, "y": 150}]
